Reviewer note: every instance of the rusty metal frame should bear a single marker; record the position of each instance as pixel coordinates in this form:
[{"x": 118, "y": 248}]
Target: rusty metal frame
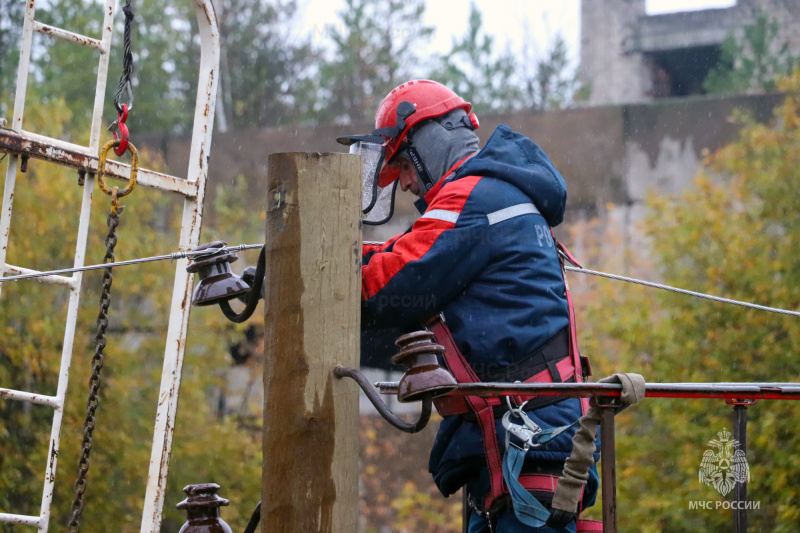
[{"x": 21, "y": 145}]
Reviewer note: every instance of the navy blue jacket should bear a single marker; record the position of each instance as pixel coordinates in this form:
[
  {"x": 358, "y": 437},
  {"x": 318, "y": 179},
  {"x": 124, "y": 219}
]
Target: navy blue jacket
[{"x": 482, "y": 253}]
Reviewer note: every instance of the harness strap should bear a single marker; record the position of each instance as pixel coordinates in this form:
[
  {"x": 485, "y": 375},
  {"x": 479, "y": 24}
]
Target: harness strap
[
  {"x": 543, "y": 484},
  {"x": 590, "y": 526},
  {"x": 527, "y": 508},
  {"x": 573, "y": 331},
  {"x": 482, "y": 407},
  {"x": 449, "y": 404}
]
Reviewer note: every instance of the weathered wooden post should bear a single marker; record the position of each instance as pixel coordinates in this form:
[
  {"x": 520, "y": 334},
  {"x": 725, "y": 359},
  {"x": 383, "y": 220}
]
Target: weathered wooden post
[{"x": 312, "y": 318}]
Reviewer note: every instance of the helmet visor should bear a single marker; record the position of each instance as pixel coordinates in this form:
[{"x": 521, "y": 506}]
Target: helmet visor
[{"x": 377, "y": 202}]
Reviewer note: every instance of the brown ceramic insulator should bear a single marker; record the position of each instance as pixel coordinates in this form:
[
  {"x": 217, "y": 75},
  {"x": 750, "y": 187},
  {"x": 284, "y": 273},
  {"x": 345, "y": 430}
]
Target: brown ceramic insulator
[
  {"x": 202, "y": 507},
  {"x": 414, "y": 344},
  {"x": 217, "y": 282},
  {"x": 424, "y": 377}
]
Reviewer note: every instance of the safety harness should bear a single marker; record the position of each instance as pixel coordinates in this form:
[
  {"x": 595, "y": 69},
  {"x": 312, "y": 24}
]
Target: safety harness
[{"x": 558, "y": 361}]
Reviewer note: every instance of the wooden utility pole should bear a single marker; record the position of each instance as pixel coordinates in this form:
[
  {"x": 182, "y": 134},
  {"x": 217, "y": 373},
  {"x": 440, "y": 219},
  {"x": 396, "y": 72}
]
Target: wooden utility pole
[{"x": 312, "y": 320}]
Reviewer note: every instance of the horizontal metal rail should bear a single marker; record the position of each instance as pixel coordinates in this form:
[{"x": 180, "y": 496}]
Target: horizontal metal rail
[
  {"x": 55, "y": 143},
  {"x": 20, "y": 519},
  {"x": 79, "y": 157},
  {"x": 726, "y": 391},
  {"x": 29, "y": 397},
  {"x": 42, "y": 278},
  {"x": 65, "y": 35}
]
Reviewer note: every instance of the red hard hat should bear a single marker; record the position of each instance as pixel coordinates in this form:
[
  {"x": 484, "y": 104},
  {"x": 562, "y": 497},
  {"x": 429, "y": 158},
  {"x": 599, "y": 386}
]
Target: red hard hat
[{"x": 430, "y": 99}]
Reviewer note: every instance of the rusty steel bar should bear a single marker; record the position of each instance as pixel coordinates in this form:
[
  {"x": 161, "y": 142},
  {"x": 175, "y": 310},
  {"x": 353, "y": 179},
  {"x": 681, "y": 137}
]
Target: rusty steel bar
[
  {"x": 55, "y": 280},
  {"x": 23, "y": 520},
  {"x": 22, "y": 396},
  {"x": 609, "y": 468},
  {"x": 65, "y": 35},
  {"x": 74, "y": 156},
  {"x": 175, "y": 347},
  {"x": 50, "y": 143},
  {"x": 24, "y": 67},
  {"x": 733, "y": 391}
]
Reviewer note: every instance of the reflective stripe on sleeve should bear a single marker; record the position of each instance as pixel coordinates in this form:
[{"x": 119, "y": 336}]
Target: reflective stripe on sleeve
[
  {"x": 511, "y": 212},
  {"x": 441, "y": 214}
]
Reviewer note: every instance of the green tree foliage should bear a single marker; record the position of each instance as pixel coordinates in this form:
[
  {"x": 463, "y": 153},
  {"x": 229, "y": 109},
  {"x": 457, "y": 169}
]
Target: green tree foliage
[
  {"x": 166, "y": 60},
  {"x": 495, "y": 81},
  {"x": 753, "y": 61},
  {"x": 551, "y": 84},
  {"x": 475, "y": 71},
  {"x": 735, "y": 234},
  {"x": 265, "y": 67},
  {"x": 32, "y": 316},
  {"x": 372, "y": 53},
  {"x": 264, "y": 72},
  {"x": 165, "y": 63},
  {"x": 270, "y": 72},
  {"x": 10, "y": 29}
]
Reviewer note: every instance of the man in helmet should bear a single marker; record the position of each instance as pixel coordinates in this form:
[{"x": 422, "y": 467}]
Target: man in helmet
[{"x": 482, "y": 254}]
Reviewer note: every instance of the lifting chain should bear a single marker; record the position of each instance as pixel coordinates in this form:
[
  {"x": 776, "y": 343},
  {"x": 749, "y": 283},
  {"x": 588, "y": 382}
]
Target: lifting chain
[{"x": 102, "y": 324}]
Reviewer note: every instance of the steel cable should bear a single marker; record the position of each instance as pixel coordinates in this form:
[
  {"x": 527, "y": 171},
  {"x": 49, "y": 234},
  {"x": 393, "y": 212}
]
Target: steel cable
[
  {"x": 176, "y": 255},
  {"x": 127, "y": 60},
  {"x": 683, "y": 291},
  {"x": 240, "y": 247}
]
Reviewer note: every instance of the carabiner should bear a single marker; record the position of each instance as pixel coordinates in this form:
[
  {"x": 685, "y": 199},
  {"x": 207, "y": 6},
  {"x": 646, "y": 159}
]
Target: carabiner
[{"x": 521, "y": 432}]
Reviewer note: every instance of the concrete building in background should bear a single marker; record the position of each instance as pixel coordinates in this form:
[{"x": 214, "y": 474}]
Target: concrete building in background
[{"x": 631, "y": 57}]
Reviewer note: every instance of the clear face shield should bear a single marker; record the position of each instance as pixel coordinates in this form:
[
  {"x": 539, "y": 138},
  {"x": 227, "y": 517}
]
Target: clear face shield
[{"x": 377, "y": 203}]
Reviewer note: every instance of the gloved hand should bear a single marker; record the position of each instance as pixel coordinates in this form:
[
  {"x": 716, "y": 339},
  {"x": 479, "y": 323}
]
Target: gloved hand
[{"x": 249, "y": 276}]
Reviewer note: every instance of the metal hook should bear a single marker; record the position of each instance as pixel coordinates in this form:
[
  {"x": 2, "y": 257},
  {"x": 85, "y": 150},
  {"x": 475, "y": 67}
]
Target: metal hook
[
  {"x": 124, "y": 135},
  {"x": 383, "y": 409}
]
